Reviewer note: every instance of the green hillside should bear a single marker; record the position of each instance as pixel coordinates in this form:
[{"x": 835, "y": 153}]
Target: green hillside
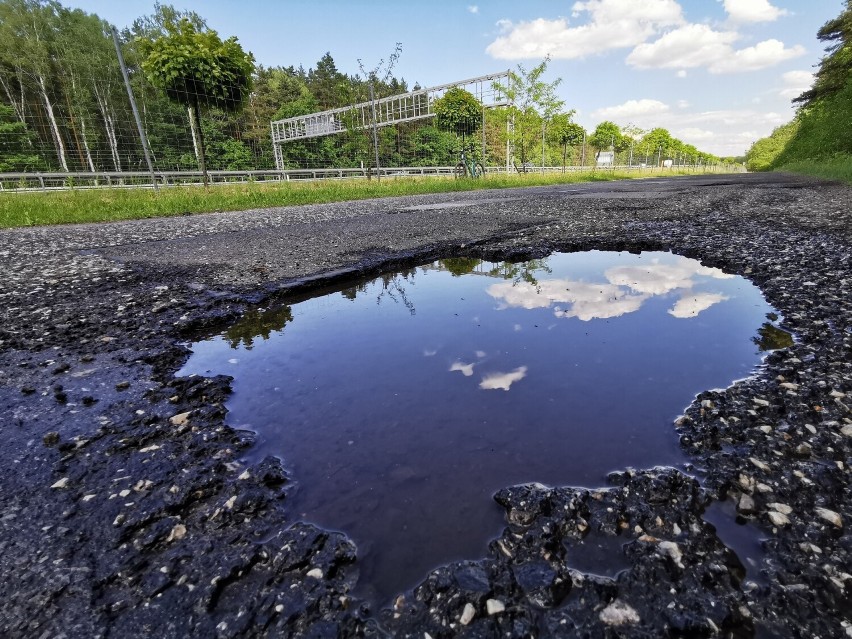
[{"x": 817, "y": 141}]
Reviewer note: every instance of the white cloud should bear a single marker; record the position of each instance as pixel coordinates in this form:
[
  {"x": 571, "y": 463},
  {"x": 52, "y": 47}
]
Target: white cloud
[
  {"x": 690, "y": 305},
  {"x": 631, "y": 110},
  {"x": 798, "y": 78},
  {"x": 796, "y": 83},
  {"x": 612, "y": 24},
  {"x": 689, "y": 46},
  {"x": 502, "y": 381},
  {"x": 681, "y": 73},
  {"x": 736, "y": 117},
  {"x": 753, "y": 11},
  {"x": 683, "y": 104},
  {"x": 698, "y": 45},
  {"x": 762, "y": 55},
  {"x": 473, "y": 8},
  {"x": 691, "y": 135}
]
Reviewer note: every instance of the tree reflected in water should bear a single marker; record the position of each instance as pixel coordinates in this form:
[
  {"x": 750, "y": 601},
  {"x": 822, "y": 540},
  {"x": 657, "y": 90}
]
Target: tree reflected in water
[
  {"x": 515, "y": 271},
  {"x": 770, "y": 338},
  {"x": 392, "y": 287},
  {"x": 258, "y": 323},
  {"x": 458, "y": 266}
]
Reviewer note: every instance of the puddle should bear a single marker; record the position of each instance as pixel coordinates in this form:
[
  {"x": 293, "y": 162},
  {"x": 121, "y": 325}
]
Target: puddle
[
  {"x": 741, "y": 536},
  {"x": 402, "y": 404}
]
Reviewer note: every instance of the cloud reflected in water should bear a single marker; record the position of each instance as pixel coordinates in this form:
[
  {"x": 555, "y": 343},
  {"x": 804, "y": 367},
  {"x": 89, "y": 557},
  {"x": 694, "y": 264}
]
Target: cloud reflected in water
[
  {"x": 503, "y": 381},
  {"x": 466, "y": 369},
  {"x": 691, "y": 305},
  {"x": 626, "y": 289},
  {"x": 659, "y": 279}
]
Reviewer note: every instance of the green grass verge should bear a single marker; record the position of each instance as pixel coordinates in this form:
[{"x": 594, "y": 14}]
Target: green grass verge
[
  {"x": 838, "y": 168},
  {"x": 100, "y": 205}
]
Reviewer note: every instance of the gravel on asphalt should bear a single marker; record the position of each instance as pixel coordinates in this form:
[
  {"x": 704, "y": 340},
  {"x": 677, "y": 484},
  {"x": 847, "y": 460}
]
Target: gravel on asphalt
[{"x": 126, "y": 508}]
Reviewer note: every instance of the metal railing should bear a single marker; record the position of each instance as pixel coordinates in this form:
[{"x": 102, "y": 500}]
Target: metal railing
[
  {"x": 22, "y": 182},
  {"x": 28, "y": 182}
]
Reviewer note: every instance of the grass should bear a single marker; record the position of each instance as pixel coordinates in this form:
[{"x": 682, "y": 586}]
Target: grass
[
  {"x": 102, "y": 205},
  {"x": 838, "y": 168}
]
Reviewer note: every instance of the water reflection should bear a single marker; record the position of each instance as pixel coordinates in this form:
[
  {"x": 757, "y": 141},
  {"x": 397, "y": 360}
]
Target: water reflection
[
  {"x": 690, "y": 305},
  {"x": 626, "y": 289},
  {"x": 503, "y": 381},
  {"x": 386, "y": 416},
  {"x": 770, "y": 338},
  {"x": 459, "y": 266},
  {"x": 660, "y": 278},
  {"x": 258, "y": 323},
  {"x": 466, "y": 369}
]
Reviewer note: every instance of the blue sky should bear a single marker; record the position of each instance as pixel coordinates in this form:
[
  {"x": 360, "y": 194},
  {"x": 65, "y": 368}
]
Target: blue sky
[{"x": 717, "y": 73}]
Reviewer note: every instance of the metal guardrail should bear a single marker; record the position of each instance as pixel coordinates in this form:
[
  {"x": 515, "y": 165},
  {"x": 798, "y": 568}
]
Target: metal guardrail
[
  {"x": 20, "y": 182},
  {"x": 29, "y": 182}
]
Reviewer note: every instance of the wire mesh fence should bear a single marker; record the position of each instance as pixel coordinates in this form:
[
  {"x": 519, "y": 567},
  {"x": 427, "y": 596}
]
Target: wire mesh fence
[{"x": 67, "y": 120}]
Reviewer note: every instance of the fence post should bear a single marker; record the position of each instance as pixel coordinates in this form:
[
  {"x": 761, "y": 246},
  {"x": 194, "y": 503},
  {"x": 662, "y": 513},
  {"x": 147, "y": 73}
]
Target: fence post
[
  {"x": 375, "y": 132},
  {"x": 484, "y": 163},
  {"x": 142, "y": 137}
]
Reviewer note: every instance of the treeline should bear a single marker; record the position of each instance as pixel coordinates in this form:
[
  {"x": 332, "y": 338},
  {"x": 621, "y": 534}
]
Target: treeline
[
  {"x": 653, "y": 146},
  {"x": 64, "y": 107},
  {"x": 819, "y": 133}
]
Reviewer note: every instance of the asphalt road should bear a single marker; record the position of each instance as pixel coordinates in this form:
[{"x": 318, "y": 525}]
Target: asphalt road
[{"x": 127, "y": 510}]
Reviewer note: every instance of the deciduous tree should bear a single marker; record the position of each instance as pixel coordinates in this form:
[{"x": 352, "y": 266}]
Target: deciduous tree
[
  {"x": 607, "y": 135},
  {"x": 565, "y": 133},
  {"x": 196, "y": 67},
  {"x": 532, "y": 101},
  {"x": 28, "y": 44},
  {"x": 458, "y": 111},
  {"x": 835, "y": 68}
]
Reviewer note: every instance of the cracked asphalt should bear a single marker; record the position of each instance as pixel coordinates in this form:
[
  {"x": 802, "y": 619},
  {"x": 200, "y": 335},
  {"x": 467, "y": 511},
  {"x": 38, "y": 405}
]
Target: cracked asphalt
[{"x": 126, "y": 508}]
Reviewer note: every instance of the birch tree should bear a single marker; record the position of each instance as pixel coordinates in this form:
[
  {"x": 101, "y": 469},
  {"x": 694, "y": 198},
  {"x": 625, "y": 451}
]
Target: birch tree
[{"x": 28, "y": 32}]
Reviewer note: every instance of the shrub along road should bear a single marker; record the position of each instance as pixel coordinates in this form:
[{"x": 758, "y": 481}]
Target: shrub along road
[{"x": 126, "y": 508}]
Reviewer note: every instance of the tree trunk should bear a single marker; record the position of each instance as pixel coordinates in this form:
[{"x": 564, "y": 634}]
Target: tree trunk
[
  {"x": 192, "y": 132},
  {"x": 86, "y": 146},
  {"x": 113, "y": 141},
  {"x": 197, "y": 115},
  {"x": 79, "y": 147},
  {"x": 564, "y": 153},
  {"x": 85, "y": 150},
  {"x": 109, "y": 127},
  {"x": 54, "y": 127}
]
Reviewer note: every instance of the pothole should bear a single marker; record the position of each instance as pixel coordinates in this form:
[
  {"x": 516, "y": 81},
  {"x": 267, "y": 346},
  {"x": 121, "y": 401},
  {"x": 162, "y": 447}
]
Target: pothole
[{"x": 402, "y": 404}]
